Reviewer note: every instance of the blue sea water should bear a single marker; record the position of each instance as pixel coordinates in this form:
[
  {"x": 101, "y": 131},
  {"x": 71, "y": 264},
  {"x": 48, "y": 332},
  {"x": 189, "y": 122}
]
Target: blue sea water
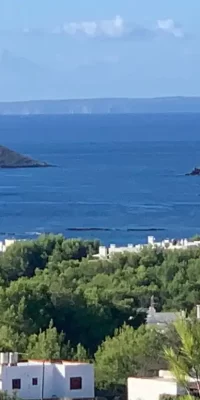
[{"x": 124, "y": 174}]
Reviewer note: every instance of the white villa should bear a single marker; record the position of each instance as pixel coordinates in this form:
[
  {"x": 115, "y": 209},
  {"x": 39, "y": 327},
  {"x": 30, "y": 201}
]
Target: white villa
[{"x": 40, "y": 379}]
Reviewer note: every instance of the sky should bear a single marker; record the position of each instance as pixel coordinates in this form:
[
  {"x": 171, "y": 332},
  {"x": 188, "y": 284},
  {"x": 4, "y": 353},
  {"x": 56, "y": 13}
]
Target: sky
[{"x": 52, "y": 49}]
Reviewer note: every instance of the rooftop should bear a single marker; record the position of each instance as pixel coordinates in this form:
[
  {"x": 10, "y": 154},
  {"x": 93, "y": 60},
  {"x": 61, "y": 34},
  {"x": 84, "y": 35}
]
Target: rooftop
[
  {"x": 153, "y": 378},
  {"x": 160, "y": 318},
  {"x": 49, "y": 362},
  {"x": 166, "y": 376}
]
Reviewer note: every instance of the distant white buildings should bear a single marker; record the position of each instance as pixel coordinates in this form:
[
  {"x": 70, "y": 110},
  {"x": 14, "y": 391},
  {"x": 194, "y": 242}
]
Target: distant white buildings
[
  {"x": 5, "y": 244},
  {"x": 38, "y": 379},
  {"x": 166, "y": 244},
  {"x": 106, "y": 252}
]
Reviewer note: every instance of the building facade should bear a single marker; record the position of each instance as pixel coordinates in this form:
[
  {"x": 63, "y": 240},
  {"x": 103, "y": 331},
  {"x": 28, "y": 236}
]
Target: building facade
[
  {"x": 153, "y": 388},
  {"x": 5, "y": 244},
  {"x": 34, "y": 380}
]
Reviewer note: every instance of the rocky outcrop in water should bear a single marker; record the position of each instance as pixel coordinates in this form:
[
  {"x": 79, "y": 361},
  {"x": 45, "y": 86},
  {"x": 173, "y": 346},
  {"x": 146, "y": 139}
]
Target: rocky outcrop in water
[
  {"x": 12, "y": 159},
  {"x": 194, "y": 172}
]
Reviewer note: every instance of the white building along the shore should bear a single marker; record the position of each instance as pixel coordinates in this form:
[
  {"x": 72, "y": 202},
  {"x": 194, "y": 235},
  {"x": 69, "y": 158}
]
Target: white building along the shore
[
  {"x": 106, "y": 252},
  {"x": 5, "y": 244},
  {"x": 182, "y": 244},
  {"x": 36, "y": 379}
]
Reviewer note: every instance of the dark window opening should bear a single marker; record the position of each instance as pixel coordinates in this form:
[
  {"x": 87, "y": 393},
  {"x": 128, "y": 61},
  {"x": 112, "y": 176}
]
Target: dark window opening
[
  {"x": 76, "y": 383},
  {"x": 16, "y": 384},
  {"x": 34, "y": 381}
]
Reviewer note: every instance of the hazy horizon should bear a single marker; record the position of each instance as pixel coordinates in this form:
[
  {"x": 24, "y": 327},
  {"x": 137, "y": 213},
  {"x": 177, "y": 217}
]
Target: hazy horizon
[
  {"x": 102, "y": 98},
  {"x": 116, "y": 49}
]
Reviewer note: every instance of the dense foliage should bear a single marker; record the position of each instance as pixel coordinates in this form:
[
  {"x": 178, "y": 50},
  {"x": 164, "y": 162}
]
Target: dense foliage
[
  {"x": 56, "y": 300},
  {"x": 184, "y": 361}
]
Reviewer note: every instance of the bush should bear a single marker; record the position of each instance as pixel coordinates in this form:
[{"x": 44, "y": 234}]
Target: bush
[{"x": 6, "y": 396}]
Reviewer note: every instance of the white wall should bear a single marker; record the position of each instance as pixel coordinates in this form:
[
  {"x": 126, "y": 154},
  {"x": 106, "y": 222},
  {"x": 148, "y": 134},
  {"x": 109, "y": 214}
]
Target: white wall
[
  {"x": 103, "y": 252},
  {"x": 86, "y": 371},
  {"x": 56, "y": 380},
  {"x": 151, "y": 389},
  {"x": 25, "y": 373},
  {"x": 5, "y": 244}
]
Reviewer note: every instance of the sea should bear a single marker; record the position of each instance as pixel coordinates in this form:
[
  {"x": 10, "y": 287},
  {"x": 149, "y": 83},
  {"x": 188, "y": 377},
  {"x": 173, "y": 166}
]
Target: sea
[{"x": 116, "y": 178}]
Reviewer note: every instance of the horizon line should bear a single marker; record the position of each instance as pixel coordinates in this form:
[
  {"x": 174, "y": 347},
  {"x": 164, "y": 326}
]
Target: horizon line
[{"x": 104, "y": 98}]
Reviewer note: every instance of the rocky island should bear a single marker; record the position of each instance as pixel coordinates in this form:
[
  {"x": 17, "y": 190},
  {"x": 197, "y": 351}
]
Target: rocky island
[
  {"x": 194, "y": 172},
  {"x": 12, "y": 159}
]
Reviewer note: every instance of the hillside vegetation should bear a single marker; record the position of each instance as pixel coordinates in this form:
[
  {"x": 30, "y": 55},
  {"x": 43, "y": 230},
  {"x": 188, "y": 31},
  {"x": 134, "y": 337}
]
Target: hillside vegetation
[{"x": 57, "y": 301}]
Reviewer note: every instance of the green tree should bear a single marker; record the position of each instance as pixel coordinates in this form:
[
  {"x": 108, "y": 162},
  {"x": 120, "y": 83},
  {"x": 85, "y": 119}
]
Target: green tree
[
  {"x": 23, "y": 257},
  {"x": 184, "y": 362},
  {"x": 46, "y": 345},
  {"x": 11, "y": 341},
  {"x": 74, "y": 249},
  {"x": 128, "y": 353},
  {"x": 77, "y": 354}
]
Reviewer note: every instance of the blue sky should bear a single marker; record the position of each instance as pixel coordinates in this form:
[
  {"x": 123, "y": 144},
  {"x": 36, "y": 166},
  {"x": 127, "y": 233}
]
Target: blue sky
[{"x": 91, "y": 48}]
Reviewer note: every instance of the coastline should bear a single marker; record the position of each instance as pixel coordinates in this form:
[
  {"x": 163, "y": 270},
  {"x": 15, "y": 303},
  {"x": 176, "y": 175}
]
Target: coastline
[{"x": 111, "y": 249}]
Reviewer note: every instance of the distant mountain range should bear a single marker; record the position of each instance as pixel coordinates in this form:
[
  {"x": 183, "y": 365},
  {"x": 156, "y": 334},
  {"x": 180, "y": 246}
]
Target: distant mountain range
[{"x": 102, "y": 106}]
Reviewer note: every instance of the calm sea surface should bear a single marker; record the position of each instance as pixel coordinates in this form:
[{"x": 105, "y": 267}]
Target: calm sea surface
[{"x": 121, "y": 174}]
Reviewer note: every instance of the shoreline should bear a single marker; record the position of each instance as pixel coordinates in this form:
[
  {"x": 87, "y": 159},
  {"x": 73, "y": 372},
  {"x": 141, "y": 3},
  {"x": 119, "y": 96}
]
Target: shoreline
[{"x": 111, "y": 249}]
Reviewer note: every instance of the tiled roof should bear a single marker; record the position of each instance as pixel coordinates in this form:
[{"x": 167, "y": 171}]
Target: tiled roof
[{"x": 161, "y": 318}]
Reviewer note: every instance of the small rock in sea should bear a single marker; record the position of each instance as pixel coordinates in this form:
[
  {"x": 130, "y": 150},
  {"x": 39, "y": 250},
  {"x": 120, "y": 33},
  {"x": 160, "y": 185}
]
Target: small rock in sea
[
  {"x": 12, "y": 159},
  {"x": 195, "y": 171}
]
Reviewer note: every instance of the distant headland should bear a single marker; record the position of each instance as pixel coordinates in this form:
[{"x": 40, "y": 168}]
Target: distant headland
[
  {"x": 103, "y": 106},
  {"x": 12, "y": 159}
]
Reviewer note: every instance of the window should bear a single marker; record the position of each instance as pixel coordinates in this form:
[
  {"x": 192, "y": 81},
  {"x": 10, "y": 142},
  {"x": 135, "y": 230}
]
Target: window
[
  {"x": 16, "y": 384},
  {"x": 76, "y": 383},
  {"x": 34, "y": 381}
]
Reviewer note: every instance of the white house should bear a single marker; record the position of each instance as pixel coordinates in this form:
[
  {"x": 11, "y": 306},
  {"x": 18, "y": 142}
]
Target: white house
[
  {"x": 34, "y": 380},
  {"x": 153, "y": 388},
  {"x": 5, "y": 244}
]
